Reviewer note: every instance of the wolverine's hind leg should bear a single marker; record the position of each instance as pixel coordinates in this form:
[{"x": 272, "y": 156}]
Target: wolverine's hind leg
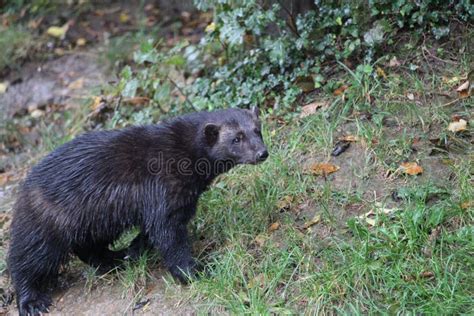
[{"x": 34, "y": 262}]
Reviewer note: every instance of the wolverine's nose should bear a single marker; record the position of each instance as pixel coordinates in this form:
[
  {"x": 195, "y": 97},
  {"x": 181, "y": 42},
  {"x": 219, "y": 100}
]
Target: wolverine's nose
[{"x": 262, "y": 155}]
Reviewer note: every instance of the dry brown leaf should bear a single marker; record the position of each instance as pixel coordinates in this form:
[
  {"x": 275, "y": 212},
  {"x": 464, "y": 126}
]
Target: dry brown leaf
[
  {"x": 380, "y": 72},
  {"x": 285, "y": 202},
  {"x": 458, "y": 126},
  {"x": 467, "y": 204},
  {"x": 340, "y": 90},
  {"x": 311, "y": 108},
  {"x": 257, "y": 281},
  {"x": 76, "y": 84},
  {"x": 261, "y": 239},
  {"x": 316, "y": 219},
  {"x": 463, "y": 87},
  {"x": 3, "y": 178},
  {"x": 305, "y": 83},
  {"x": 464, "y": 90},
  {"x": 427, "y": 274},
  {"x": 411, "y": 168},
  {"x": 274, "y": 227},
  {"x": 394, "y": 62},
  {"x": 348, "y": 138},
  {"x": 323, "y": 168},
  {"x": 137, "y": 100}
]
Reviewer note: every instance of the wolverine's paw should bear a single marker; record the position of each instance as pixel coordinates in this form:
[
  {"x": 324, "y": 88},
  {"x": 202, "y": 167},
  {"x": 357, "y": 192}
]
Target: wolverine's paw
[
  {"x": 187, "y": 274},
  {"x": 35, "y": 306}
]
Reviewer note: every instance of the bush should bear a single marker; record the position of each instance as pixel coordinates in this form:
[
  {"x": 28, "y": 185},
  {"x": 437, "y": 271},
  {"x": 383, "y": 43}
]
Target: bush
[{"x": 258, "y": 54}]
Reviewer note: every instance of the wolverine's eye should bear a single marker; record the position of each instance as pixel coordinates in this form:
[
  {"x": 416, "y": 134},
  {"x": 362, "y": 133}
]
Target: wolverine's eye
[{"x": 236, "y": 140}]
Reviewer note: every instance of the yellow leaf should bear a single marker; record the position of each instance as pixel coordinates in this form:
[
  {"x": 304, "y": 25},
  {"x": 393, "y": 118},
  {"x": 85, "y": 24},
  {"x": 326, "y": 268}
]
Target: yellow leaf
[
  {"x": 124, "y": 17},
  {"x": 349, "y": 138},
  {"x": 261, "y": 239},
  {"x": 76, "y": 84},
  {"x": 380, "y": 72},
  {"x": 323, "y": 168},
  {"x": 274, "y": 227},
  {"x": 210, "y": 28},
  {"x": 81, "y": 41},
  {"x": 458, "y": 126},
  {"x": 411, "y": 168},
  {"x": 285, "y": 202},
  {"x": 467, "y": 205},
  {"x": 3, "y": 87},
  {"x": 316, "y": 219},
  {"x": 58, "y": 31}
]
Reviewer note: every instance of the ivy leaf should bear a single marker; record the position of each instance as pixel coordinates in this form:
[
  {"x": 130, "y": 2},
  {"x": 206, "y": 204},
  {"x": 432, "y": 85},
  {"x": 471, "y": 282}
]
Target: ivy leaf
[{"x": 130, "y": 88}]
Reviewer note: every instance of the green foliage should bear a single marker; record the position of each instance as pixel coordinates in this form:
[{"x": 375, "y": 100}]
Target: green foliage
[
  {"x": 15, "y": 44},
  {"x": 252, "y": 54}
]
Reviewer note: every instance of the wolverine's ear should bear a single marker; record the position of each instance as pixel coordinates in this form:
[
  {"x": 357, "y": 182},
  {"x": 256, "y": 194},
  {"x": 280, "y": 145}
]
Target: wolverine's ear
[
  {"x": 255, "y": 111},
  {"x": 211, "y": 132}
]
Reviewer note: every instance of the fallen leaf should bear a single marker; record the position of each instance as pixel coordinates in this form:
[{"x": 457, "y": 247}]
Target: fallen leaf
[
  {"x": 380, "y": 72},
  {"x": 458, "y": 126},
  {"x": 285, "y": 202},
  {"x": 37, "y": 113},
  {"x": 305, "y": 83},
  {"x": 371, "y": 221},
  {"x": 316, "y": 219},
  {"x": 466, "y": 205},
  {"x": 311, "y": 108},
  {"x": 261, "y": 239},
  {"x": 274, "y": 227},
  {"x": 58, "y": 31},
  {"x": 323, "y": 168},
  {"x": 340, "y": 90},
  {"x": 257, "y": 281},
  {"x": 137, "y": 100},
  {"x": 3, "y": 179},
  {"x": 426, "y": 274},
  {"x": 210, "y": 28},
  {"x": 3, "y": 87},
  {"x": 348, "y": 138},
  {"x": 76, "y": 84},
  {"x": 81, "y": 41},
  {"x": 410, "y": 96},
  {"x": 394, "y": 62},
  {"x": 97, "y": 103},
  {"x": 451, "y": 81},
  {"x": 124, "y": 17},
  {"x": 411, "y": 168},
  {"x": 464, "y": 90}
]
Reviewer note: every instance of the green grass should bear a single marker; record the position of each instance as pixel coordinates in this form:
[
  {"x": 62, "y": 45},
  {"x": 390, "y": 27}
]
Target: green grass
[
  {"x": 419, "y": 259},
  {"x": 15, "y": 44}
]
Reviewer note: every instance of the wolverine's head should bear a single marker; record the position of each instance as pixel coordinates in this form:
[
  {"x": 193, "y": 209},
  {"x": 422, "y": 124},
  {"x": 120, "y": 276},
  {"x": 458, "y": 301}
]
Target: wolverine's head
[{"x": 236, "y": 137}]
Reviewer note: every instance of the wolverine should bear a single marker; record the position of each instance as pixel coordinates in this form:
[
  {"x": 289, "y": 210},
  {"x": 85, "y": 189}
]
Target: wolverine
[{"x": 86, "y": 193}]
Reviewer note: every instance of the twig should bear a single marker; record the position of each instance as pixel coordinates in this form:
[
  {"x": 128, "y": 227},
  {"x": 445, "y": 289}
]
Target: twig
[
  {"x": 423, "y": 48},
  {"x": 186, "y": 97}
]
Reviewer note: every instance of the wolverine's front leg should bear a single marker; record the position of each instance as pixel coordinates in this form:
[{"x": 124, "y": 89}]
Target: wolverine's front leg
[{"x": 170, "y": 237}]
